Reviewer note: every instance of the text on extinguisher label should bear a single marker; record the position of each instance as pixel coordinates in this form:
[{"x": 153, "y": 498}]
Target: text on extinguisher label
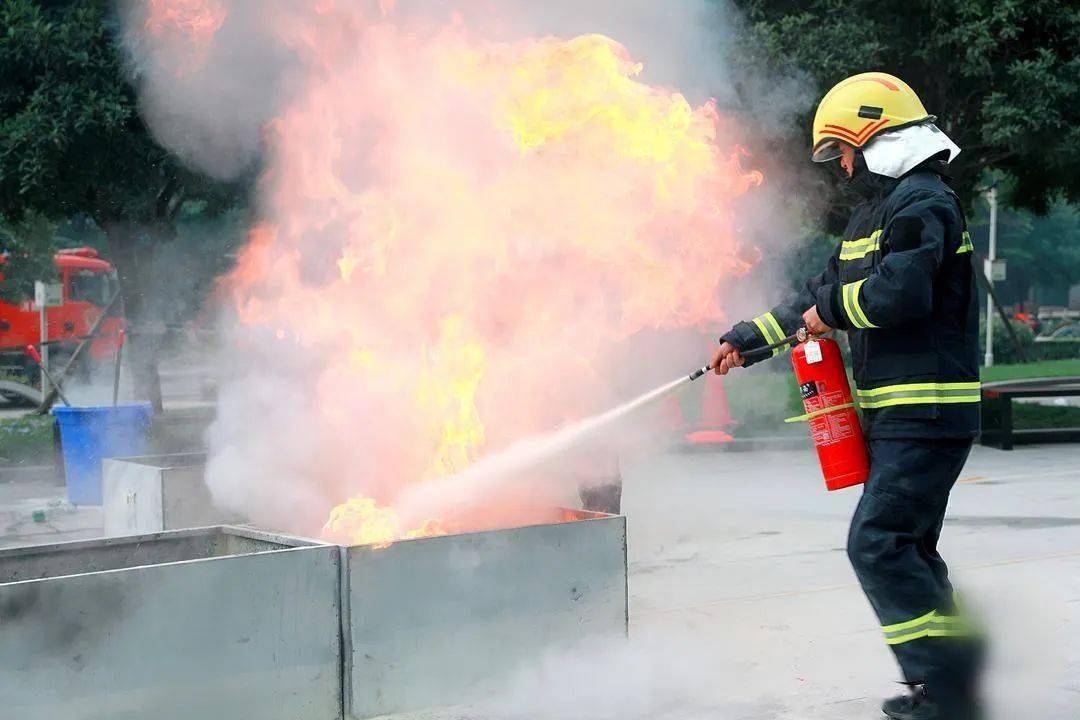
[{"x": 831, "y": 427}]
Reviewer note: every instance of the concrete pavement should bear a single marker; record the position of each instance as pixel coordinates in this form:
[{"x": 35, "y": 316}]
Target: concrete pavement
[
  {"x": 743, "y": 606},
  {"x": 756, "y": 563}
]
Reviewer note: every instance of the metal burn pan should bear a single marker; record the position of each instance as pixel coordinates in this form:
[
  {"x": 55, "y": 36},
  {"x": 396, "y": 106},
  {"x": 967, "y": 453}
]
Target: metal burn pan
[
  {"x": 440, "y": 621},
  {"x": 214, "y": 622},
  {"x": 228, "y": 622}
]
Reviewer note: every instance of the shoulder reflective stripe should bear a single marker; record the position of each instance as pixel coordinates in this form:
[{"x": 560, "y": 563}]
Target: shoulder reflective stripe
[
  {"x": 965, "y": 246},
  {"x": 852, "y": 307},
  {"x": 919, "y": 394},
  {"x": 855, "y": 249},
  {"x": 770, "y": 320}
]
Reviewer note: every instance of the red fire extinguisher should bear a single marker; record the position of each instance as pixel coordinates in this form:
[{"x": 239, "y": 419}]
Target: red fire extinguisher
[{"x": 830, "y": 411}]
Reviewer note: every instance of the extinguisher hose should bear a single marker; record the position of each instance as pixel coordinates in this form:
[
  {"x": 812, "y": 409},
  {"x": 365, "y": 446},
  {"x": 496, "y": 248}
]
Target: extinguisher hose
[{"x": 800, "y": 335}]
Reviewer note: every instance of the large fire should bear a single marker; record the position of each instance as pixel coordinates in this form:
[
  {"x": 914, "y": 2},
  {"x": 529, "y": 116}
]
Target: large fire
[{"x": 458, "y": 232}]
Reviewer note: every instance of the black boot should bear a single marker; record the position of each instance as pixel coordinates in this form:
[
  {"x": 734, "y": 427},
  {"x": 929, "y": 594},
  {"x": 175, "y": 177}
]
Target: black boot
[
  {"x": 917, "y": 705},
  {"x": 904, "y": 707}
]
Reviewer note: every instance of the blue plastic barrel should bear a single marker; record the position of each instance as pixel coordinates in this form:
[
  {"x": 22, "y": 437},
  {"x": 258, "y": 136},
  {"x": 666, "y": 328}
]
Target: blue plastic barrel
[{"x": 90, "y": 434}]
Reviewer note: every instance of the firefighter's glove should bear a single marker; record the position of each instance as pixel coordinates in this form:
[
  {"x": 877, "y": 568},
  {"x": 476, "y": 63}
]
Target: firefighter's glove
[{"x": 725, "y": 358}]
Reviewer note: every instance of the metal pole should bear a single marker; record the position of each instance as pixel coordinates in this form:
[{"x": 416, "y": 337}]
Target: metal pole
[
  {"x": 43, "y": 331},
  {"x": 48, "y": 398},
  {"x": 116, "y": 374},
  {"x": 989, "y": 268}
]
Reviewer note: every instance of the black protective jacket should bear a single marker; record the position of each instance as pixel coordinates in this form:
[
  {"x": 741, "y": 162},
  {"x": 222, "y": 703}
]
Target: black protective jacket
[{"x": 902, "y": 284}]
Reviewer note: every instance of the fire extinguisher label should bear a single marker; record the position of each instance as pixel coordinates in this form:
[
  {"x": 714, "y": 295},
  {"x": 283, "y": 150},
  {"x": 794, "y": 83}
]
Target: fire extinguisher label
[
  {"x": 808, "y": 390},
  {"x": 832, "y": 427}
]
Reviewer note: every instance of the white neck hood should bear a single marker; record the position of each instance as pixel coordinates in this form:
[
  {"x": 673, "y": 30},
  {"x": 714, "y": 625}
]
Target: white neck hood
[{"x": 895, "y": 153}]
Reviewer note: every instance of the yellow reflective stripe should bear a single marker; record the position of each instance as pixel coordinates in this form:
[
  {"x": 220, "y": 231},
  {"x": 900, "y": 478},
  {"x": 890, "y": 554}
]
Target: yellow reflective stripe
[
  {"x": 856, "y": 286},
  {"x": 927, "y": 400},
  {"x": 770, "y": 330},
  {"x": 933, "y": 624},
  {"x": 764, "y": 331},
  {"x": 907, "y": 638},
  {"x": 889, "y": 629},
  {"x": 919, "y": 394},
  {"x": 845, "y": 296},
  {"x": 926, "y": 632},
  {"x": 852, "y": 307},
  {"x": 906, "y": 387},
  {"x": 770, "y": 319},
  {"x": 910, "y": 623},
  {"x": 965, "y": 246},
  {"x": 855, "y": 249}
]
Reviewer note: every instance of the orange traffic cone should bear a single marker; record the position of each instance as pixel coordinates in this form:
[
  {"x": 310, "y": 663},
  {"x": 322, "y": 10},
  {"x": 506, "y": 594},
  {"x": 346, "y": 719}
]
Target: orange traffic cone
[{"x": 715, "y": 416}]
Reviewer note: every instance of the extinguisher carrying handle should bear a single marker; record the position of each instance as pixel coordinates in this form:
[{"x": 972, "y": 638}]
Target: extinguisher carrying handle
[{"x": 799, "y": 336}]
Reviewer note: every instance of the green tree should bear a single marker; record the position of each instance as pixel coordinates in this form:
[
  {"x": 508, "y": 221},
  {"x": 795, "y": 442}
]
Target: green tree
[
  {"x": 28, "y": 247},
  {"x": 1043, "y": 252},
  {"x": 72, "y": 142},
  {"x": 1003, "y": 76}
]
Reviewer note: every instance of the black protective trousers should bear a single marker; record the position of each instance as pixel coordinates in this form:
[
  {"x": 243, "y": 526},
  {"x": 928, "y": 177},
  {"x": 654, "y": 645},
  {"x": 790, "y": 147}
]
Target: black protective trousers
[{"x": 892, "y": 546}]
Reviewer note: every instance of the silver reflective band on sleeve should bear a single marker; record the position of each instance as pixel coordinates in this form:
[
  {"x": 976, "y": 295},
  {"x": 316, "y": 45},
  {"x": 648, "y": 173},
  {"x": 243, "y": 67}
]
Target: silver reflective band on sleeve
[
  {"x": 849, "y": 293},
  {"x": 770, "y": 330},
  {"x": 919, "y": 394}
]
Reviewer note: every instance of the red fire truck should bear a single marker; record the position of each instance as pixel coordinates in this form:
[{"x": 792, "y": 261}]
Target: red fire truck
[{"x": 88, "y": 284}]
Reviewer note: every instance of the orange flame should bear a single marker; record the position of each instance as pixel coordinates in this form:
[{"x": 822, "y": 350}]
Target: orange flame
[
  {"x": 464, "y": 230},
  {"x": 446, "y": 393},
  {"x": 360, "y": 521}
]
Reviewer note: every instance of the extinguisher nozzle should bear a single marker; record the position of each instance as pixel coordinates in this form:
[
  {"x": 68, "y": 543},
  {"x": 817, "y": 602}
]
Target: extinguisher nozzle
[{"x": 699, "y": 372}]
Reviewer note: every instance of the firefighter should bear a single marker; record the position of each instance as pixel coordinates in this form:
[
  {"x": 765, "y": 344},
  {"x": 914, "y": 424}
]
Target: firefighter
[{"x": 902, "y": 285}]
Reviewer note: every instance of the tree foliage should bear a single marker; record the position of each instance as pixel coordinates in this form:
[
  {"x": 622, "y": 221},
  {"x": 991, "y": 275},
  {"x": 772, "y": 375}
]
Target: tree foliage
[
  {"x": 28, "y": 247},
  {"x": 71, "y": 138},
  {"x": 1003, "y": 76},
  {"x": 1041, "y": 250},
  {"x": 72, "y": 142}
]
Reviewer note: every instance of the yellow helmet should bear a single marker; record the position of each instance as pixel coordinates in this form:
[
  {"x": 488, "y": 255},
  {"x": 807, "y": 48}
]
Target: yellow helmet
[{"x": 859, "y": 108}]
